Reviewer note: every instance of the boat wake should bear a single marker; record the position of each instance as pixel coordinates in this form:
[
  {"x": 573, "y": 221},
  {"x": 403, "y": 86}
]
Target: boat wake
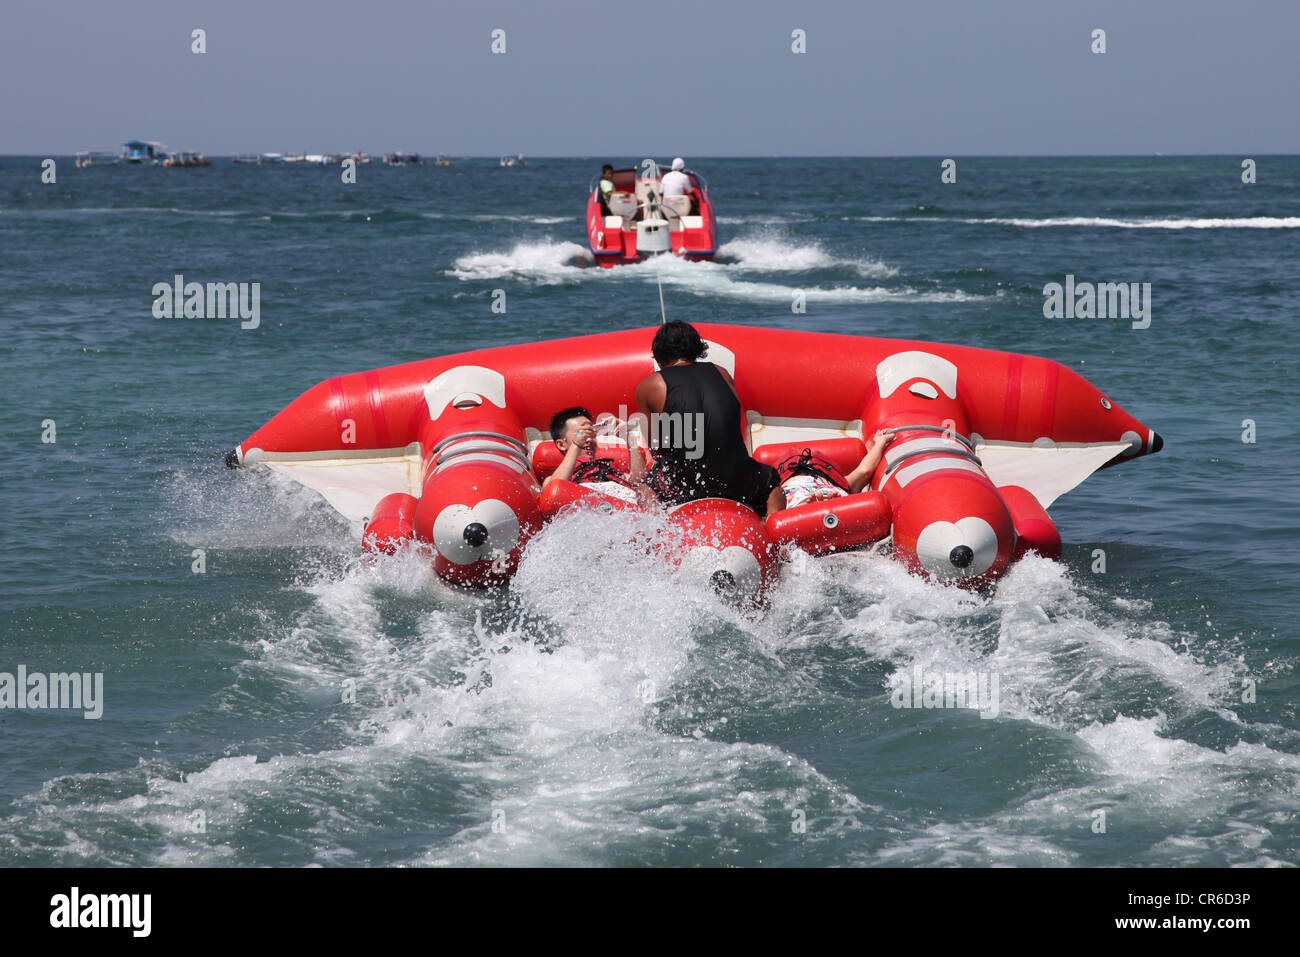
[
  {"x": 732, "y": 275},
  {"x": 599, "y": 712}
]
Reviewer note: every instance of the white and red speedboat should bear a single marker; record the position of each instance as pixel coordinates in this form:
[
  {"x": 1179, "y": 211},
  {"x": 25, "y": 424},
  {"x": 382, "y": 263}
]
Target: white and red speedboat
[
  {"x": 450, "y": 452},
  {"x": 637, "y": 220}
]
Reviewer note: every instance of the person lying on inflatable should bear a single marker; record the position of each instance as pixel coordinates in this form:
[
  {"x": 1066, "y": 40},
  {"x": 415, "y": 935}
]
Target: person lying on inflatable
[
  {"x": 809, "y": 477},
  {"x": 574, "y": 434}
]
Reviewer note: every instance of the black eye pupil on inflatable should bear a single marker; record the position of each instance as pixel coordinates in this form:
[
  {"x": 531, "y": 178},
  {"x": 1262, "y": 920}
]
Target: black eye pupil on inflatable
[
  {"x": 475, "y": 533},
  {"x": 961, "y": 556},
  {"x": 723, "y": 580}
]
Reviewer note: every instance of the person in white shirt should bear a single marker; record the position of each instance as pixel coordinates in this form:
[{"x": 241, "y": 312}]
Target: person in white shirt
[{"x": 676, "y": 182}]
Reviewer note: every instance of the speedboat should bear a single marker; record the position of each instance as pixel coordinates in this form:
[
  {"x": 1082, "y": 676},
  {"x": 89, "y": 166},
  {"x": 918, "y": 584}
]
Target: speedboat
[
  {"x": 637, "y": 220},
  {"x": 449, "y": 454}
]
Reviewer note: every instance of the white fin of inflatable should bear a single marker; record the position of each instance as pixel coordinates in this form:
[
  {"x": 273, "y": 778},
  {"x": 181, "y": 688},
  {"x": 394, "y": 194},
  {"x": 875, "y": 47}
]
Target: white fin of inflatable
[
  {"x": 1046, "y": 471},
  {"x": 354, "y": 485}
]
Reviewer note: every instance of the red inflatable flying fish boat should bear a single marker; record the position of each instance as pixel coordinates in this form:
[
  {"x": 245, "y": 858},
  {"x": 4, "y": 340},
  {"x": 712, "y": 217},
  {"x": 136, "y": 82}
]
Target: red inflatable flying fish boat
[
  {"x": 636, "y": 219},
  {"x": 451, "y": 451}
]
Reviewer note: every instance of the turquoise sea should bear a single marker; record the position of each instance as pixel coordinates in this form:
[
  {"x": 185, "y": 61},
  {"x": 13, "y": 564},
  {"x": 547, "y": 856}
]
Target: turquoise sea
[{"x": 292, "y": 704}]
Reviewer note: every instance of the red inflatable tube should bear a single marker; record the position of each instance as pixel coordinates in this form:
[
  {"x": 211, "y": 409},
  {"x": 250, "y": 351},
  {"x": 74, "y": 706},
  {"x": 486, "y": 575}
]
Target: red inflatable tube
[
  {"x": 391, "y": 523},
  {"x": 846, "y": 453},
  {"x": 561, "y": 494},
  {"x": 724, "y": 543},
  {"x": 1035, "y": 530},
  {"x": 951, "y": 525},
  {"x": 839, "y": 524}
]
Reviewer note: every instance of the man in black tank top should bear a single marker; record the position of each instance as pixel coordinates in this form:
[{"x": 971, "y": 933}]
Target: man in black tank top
[{"x": 701, "y": 450}]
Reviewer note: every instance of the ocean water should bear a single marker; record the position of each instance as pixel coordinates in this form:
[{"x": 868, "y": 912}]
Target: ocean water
[{"x": 296, "y": 705}]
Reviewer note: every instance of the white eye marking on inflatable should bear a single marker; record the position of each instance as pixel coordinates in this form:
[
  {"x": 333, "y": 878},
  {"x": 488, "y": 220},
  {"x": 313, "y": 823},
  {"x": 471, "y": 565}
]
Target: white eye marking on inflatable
[
  {"x": 924, "y": 390},
  {"x": 462, "y": 384},
  {"x": 719, "y": 355},
  {"x": 495, "y": 515},
  {"x": 938, "y": 540},
  {"x": 894, "y": 370},
  {"x": 702, "y": 562}
]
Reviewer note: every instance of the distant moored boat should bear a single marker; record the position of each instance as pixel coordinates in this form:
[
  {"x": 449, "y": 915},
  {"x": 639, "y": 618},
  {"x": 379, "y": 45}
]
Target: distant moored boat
[
  {"x": 187, "y": 159},
  {"x": 144, "y": 151},
  {"x": 89, "y": 158}
]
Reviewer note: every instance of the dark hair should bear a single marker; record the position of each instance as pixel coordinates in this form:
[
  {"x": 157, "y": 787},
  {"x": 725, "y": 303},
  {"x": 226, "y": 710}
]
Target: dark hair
[
  {"x": 677, "y": 340},
  {"x": 607, "y": 167},
  {"x": 561, "y": 418}
]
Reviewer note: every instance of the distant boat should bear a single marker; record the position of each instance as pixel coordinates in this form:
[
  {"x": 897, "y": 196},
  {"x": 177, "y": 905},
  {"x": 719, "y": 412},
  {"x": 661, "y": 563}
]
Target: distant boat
[
  {"x": 441, "y": 160},
  {"x": 403, "y": 159},
  {"x": 517, "y": 160},
  {"x": 636, "y": 220},
  {"x": 271, "y": 159},
  {"x": 144, "y": 151},
  {"x": 88, "y": 158},
  {"x": 187, "y": 159}
]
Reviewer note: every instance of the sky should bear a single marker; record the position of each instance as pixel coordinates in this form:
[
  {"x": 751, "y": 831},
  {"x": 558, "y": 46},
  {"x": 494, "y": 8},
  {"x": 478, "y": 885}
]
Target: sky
[{"x": 706, "y": 77}]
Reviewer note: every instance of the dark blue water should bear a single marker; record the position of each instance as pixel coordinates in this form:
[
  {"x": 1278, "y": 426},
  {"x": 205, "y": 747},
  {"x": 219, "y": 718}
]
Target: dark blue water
[{"x": 594, "y": 713}]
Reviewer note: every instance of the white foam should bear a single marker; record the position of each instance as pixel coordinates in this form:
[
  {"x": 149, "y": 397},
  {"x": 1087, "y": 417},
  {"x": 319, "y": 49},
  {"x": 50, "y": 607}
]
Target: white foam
[
  {"x": 545, "y": 261},
  {"x": 772, "y": 253},
  {"x": 1106, "y": 222},
  {"x": 586, "y": 711}
]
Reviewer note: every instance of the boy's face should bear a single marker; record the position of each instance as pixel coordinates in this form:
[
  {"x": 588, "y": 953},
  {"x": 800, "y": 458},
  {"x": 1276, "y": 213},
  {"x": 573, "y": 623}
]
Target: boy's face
[{"x": 578, "y": 431}]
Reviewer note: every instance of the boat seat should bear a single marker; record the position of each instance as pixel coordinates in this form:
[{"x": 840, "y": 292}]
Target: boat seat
[
  {"x": 679, "y": 206},
  {"x": 621, "y": 204},
  {"x": 692, "y": 222},
  {"x": 845, "y": 452},
  {"x": 613, "y": 222}
]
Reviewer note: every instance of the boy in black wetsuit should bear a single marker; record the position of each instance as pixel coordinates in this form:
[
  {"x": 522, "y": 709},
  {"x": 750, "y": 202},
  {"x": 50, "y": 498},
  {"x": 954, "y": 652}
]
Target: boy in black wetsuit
[{"x": 721, "y": 466}]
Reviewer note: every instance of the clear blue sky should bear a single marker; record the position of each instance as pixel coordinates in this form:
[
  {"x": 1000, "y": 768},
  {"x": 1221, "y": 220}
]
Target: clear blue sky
[{"x": 705, "y": 77}]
